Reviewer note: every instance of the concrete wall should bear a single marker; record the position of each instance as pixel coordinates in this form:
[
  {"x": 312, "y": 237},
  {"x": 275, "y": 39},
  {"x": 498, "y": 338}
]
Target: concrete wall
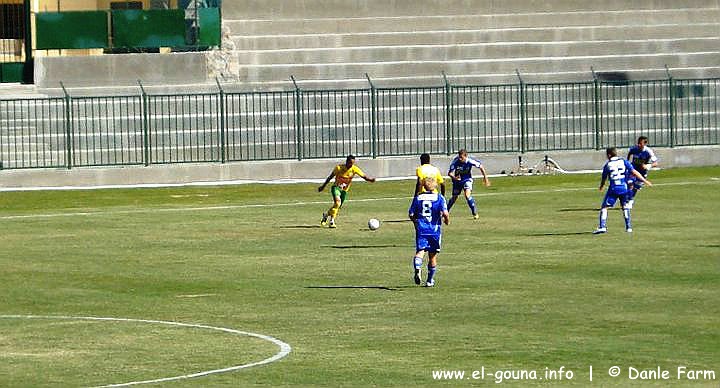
[
  {"x": 121, "y": 69},
  {"x": 319, "y": 169}
]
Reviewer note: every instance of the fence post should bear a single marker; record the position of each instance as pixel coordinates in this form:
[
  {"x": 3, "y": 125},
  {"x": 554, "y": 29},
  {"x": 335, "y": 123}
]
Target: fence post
[
  {"x": 68, "y": 128},
  {"x": 298, "y": 119},
  {"x": 145, "y": 124},
  {"x": 373, "y": 118},
  {"x": 221, "y": 120},
  {"x": 448, "y": 114},
  {"x": 596, "y": 107},
  {"x": 523, "y": 113},
  {"x": 671, "y": 106}
]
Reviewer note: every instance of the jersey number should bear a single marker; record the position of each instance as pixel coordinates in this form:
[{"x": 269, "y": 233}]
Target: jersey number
[
  {"x": 617, "y": 175},
  {"x": 427, "y": 210}
]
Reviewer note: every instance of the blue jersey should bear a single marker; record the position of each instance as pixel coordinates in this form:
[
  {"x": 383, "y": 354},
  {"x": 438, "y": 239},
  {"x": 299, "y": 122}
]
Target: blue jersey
[
  {"x": 640, "y": 157},
  {"x": 427, "y": 209},
  {"x": 617, "y": 171},
  {"x": 463, "y": 170}
]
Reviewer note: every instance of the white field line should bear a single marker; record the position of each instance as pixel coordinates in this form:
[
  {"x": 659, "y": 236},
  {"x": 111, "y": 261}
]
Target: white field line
[
  {"x": 285, "y": 349},
  {"x": 306, "y": 203}
]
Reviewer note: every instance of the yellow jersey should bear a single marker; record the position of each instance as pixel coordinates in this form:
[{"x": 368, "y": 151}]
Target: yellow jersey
[
  {"x": 428, "y": 170},
  {"x": 344, "y": 175}
]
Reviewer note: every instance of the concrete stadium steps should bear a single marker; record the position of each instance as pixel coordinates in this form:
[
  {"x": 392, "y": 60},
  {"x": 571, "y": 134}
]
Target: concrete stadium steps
[
  {"x": 358, "y": 81},
  {"x": 471, "y": 51},
  {"x": 18, "y": 91},
  {"x": 440, "y": 37},
  {"x": 255, "y": 9},
  {"x": 613, "y": 62},
  {"x": 481, "y": 21},
  {"x": 403, "y": 43}
]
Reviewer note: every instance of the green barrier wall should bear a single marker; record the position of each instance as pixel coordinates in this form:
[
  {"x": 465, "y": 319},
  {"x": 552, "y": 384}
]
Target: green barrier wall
[
  {"x": 11, "y": 71},
  {"x": 209, "y": 20},
  {"x": 152, "y": 28},
  {"x": 71, "y": 30}
]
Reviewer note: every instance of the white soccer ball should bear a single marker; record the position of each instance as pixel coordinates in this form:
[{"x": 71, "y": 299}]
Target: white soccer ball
[{"x": 373, "y": 223}]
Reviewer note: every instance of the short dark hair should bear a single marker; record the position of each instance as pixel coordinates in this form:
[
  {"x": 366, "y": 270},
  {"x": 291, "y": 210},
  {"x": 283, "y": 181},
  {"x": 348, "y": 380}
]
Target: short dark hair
[
  {"x": 424, "y": 158},
  {"x": 642, "y": 139},
  {"x": 462, "y": 151},
  {"x": 612, "y": 151},
  {"x": 349, "y": 158}
]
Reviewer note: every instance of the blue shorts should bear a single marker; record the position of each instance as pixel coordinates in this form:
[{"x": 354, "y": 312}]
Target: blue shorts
[
  {"x": 613, "y": 195},
  {"x": 428, "y": 243},
  {"x": 460, "y": 186}
]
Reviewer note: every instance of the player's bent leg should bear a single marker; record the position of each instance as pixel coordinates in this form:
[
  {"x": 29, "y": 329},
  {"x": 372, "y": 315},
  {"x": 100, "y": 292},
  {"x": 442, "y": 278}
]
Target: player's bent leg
[
  {"x": 432, "y": 268},
  {"x": 324, "y": 219},
  {"x": 452, "y": 201},
  {"x": 471, "y": 203},
  {"x": 335, "y": 208},
  {"x": 602, "y": 226},
  {"x": 417, "y": 266},
  {"x": 626, "y": 215}
]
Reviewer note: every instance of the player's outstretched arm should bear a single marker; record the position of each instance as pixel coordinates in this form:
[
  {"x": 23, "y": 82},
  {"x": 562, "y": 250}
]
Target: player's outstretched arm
[
  {"x": 327, "y": 180},
  {"x": 369, "y": 178},
  {"x": 486, "y": 181},
  {"x": 641, "y": 178}
]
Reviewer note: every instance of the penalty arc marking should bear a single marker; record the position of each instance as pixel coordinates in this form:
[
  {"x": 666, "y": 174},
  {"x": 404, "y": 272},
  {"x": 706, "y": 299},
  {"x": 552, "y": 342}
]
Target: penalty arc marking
[{"x": 285, "y": 349}]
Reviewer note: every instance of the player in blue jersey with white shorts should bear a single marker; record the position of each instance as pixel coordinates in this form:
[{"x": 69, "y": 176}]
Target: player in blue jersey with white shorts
[
  {"x": 428, "y": 211},
  {"x": 643, "y": 159},
  {"x": 460, "y": 172},
  {"x": 616, "y": 171}
]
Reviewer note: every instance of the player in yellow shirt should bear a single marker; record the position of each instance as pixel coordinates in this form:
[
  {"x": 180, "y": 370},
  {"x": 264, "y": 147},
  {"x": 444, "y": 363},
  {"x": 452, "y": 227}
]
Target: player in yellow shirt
[
  {"x": 424, "y": 170},
  {"x": 343, "y": 174}
]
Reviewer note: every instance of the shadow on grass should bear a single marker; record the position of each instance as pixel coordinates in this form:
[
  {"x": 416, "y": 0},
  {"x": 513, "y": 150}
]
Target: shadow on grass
[
  {"x": 585, "y": 209},
  {"x": 558, "y": 234},
  {"x": 360, "y": 246},
  {"x": 384, "y": 288},
  {"x": 396, "y": 221},
  {"x": 300, "y": 227}
]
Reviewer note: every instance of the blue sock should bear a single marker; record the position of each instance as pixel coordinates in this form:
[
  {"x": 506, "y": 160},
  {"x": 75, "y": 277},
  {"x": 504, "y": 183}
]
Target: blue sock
[
  {"x": 417, "y": 262},
  {"x": 471, "y": 203},
  {"x": 451, "y": 202},
  {"x": 431, "y": 273}
]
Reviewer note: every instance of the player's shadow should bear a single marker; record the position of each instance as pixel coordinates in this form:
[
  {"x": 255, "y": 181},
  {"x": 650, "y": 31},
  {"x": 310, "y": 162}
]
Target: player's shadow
[
  {"x": 300, "y": 227},
  {"x": 558, "y": 234},
  {"x": 396, "y": 221},
  {"x": 383, "y": 288},
  {"x": 586, "y": 209},
  {"x": 360, "y": 246}
]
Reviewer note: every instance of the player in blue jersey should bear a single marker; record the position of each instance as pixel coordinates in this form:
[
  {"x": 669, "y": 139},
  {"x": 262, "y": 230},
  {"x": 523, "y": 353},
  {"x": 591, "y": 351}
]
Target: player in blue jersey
[
  {"x": 428, "y": 211},
  {"x": 643, "y": 159},
  {"x": 460, "y": 173},
  {"x": 616, "y": 171}
]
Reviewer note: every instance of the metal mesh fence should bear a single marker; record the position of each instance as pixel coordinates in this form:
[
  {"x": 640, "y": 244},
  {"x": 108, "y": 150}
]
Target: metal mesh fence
[{"x": 305, "y": 124}]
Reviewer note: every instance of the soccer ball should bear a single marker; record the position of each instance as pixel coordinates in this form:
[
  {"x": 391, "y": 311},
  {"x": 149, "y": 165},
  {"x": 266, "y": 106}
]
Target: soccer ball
[{"x": 373, "y": 223}]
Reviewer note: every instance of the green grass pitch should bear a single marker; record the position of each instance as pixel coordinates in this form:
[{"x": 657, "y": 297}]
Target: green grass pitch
[{"x": 525, "y": 287}]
